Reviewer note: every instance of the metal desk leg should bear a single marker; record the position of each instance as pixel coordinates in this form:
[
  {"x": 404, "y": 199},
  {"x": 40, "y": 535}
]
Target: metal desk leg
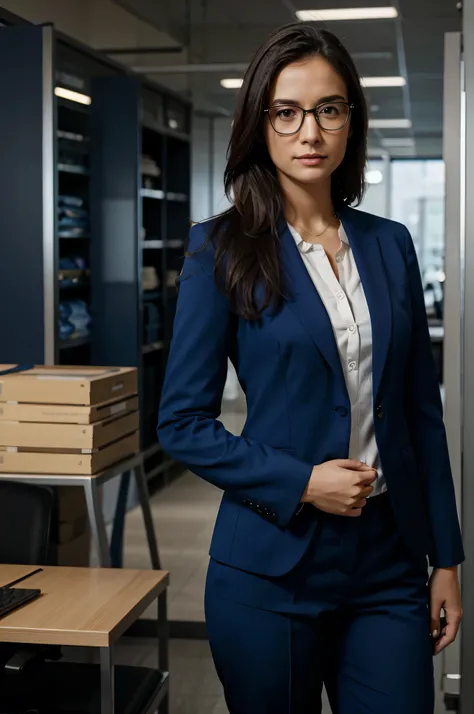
[
  {"x": 107, "y": 681},
  {"x": 116, "y": 542},
  {"x": 144, "y": 496},
  {"x": 163, "y": 644},
  {"x": 96, "y": 521}
]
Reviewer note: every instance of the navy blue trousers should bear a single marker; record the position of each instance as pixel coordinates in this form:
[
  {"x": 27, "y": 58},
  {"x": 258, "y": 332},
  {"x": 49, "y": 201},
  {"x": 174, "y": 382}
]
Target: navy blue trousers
[{"x": 353, "y": 615}]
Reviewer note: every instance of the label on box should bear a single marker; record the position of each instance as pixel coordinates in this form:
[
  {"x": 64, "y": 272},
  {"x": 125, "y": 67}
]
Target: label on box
[{"x": 117, "y": 408}]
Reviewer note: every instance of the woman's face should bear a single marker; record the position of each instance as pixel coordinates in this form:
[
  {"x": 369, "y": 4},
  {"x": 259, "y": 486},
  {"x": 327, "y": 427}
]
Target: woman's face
[{"x": 308, "y": 84}]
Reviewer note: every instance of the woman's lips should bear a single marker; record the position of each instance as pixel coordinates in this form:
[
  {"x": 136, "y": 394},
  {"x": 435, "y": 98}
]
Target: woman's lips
[{"x": 310, "y": 160}]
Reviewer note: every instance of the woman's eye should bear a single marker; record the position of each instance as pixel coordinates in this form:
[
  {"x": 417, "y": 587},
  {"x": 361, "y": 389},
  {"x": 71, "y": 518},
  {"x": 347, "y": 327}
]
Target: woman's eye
[
  {"x": 330, "y": 109},
  {"x": 286, "y": 113}
]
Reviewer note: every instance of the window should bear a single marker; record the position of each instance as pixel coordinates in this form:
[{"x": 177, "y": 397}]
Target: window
[
  {"x": 417, "y": 200},
  {"x": 377, "y": 180}
]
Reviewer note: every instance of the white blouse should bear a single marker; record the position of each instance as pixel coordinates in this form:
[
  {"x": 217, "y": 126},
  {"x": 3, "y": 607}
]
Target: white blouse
[{"x": 346, "y": 304}]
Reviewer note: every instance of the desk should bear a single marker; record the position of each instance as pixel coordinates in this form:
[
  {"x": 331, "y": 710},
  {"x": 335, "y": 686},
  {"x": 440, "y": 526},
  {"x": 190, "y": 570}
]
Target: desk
[
  {"x": 88, "y": 607},
  {"x": 91, "y": 484}
]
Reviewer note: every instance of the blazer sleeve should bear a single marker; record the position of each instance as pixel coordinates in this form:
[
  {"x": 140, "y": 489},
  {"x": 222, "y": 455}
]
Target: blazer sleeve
[
  {"x": 188, "y": 426},
  {"x": 425, "y": 416}
]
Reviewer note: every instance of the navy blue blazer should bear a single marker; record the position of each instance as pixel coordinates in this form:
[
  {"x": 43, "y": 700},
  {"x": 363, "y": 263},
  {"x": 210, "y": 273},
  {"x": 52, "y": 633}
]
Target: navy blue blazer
[{"x": 298, "y": 406}]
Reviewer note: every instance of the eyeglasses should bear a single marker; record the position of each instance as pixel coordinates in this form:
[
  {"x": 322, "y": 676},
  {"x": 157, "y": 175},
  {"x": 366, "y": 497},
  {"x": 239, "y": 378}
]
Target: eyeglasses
[{"x": 331, "y": 116}]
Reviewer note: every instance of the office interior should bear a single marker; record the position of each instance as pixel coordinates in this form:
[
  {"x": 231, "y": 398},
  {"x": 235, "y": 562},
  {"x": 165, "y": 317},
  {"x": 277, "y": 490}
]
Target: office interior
[{"x": 115, "y": 121}]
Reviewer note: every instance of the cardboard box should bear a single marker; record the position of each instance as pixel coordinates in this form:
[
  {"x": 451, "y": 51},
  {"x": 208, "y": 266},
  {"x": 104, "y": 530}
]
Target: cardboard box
[
  {"x": 70, "y": 503},
  {"x": 67, "y": 436},
  {"x": 71, "y": 529},
  {"x": 28, "y": 461},
  {"x": 66, "y": 414},
  {"x": 75, "y": 553},
  {"x": 68, "y": 385}
]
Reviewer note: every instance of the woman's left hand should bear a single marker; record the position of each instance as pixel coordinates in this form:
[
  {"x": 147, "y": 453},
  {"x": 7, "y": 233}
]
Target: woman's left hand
[{"x": 445, "y": 594}]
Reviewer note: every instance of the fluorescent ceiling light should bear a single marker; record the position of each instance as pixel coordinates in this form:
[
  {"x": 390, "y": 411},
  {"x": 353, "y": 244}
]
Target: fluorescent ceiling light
[
  {"x": 389, "y": 124},
  {"x": 383, "y": 81},
  {"x": 374, "y": 177},
  {"x": 354, "y": 13},
  {"x": 234, "y": 83},
  {"x": 398, "y": 142},
  {"x": 72, "y": 96}
]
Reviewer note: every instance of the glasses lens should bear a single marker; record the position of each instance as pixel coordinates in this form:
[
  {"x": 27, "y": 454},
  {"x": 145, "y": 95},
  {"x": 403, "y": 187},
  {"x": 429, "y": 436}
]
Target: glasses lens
[
  {"x": 286, "y": 120},
  {"x": 333, "y": 116}
]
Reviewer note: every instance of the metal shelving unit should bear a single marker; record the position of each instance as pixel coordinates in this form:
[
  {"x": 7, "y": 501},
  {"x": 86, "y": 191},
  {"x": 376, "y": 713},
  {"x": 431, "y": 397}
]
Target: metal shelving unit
[
  {"x": 47, "y": 272},
  {"x": 140, "y": 178}
]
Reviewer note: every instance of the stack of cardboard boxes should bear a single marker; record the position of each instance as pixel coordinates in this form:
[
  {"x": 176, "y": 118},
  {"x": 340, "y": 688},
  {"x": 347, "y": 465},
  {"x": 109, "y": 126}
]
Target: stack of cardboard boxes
[
  {"x": 70, "y": 534},
  {"x": 67, "y": 421}
]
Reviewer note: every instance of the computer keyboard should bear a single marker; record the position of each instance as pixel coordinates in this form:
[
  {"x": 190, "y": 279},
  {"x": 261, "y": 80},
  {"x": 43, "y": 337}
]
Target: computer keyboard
[{"x": 11, "y": 598}]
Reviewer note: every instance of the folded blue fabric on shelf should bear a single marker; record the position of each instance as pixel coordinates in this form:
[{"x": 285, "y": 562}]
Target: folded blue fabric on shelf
[
  {"x": 76, "y": 262},
  {"x": 73, "y": 220},
  {"x": 74, "y": 319},
  {"x": 66, "y": 221},
  {"x": 72, "y": 212},
  {"x": 73, "y": 201}
]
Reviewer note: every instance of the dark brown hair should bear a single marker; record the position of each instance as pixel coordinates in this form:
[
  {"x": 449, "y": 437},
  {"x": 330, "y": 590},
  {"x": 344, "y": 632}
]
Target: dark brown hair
[{"x": 245, "y": 236}]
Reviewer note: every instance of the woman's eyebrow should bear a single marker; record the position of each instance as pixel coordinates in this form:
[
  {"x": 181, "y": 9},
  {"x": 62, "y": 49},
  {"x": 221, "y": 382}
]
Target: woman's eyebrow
[{"x": 322, "y": 100}]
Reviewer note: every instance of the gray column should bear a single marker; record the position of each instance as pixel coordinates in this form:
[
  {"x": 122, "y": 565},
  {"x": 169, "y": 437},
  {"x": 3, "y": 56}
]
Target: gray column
[
  {"x": 467, "y": 640},
  {"x": 453, "y": 158}
]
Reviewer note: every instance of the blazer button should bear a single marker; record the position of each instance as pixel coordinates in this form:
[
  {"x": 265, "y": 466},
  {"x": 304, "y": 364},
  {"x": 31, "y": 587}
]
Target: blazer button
[
  {"x": 342, "y": 411},
  {"x": 380, "y": 412}
]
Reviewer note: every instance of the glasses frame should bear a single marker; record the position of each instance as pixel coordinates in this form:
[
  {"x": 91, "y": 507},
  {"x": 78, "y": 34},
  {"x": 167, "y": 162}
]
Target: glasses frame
[{"x": 315, "y": 114}]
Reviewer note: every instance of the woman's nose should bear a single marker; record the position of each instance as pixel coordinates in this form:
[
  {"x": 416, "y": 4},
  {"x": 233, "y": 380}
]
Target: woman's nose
[{"x": 310, "y": 131}]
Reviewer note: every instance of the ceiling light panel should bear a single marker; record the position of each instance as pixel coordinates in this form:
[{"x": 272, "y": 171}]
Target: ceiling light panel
[
  {"x": 345, "y": 14},
  {"x": 232, "y": 83},
  {"x": 398, "y": 142},
  {"x": 72, "y": 96},
  {"x": 383, "y": 82},
  {"x": 390, "y": 124}
]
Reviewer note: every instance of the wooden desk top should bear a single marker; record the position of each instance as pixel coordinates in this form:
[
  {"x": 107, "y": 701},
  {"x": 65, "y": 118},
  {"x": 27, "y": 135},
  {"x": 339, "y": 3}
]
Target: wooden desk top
[{"x": 87, "y": 607}]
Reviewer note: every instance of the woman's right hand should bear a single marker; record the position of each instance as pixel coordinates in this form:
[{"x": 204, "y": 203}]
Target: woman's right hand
[{"x": 340, "y": 487}]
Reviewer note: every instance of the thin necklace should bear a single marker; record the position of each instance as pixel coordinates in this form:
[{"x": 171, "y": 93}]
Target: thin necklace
[{"x": 318, "y": 235}]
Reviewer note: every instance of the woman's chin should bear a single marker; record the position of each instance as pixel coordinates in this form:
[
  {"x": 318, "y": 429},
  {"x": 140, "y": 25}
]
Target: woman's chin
[{"x": 311, "y": 176}]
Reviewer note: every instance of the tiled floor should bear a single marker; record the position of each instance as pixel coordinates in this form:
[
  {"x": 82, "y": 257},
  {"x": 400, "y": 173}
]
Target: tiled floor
[{"x": 194, "y": 686}]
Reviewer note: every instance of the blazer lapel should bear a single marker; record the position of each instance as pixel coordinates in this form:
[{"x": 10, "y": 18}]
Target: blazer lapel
[
  {"x": 365, "y": 245},
  {"x": 304, "y": 300},
  {"x": 308, "y": 307}
]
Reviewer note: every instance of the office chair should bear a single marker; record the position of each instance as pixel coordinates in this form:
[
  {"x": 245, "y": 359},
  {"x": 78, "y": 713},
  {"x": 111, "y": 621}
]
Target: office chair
[{"x": 25, "y": 517}]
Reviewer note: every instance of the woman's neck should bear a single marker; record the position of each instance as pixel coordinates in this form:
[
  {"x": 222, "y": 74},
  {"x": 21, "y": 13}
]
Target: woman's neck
[{"x": 307, "y": 205}]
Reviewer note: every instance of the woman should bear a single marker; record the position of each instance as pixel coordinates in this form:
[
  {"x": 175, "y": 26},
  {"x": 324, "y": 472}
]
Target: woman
[{"x": 340, "y": 486}]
